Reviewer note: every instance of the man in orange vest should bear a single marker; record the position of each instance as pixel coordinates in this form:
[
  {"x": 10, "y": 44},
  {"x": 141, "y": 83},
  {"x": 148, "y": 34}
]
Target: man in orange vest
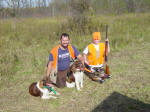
[
  {"x": 59, "y": 61},
  {"x": 94, "y": 58}
]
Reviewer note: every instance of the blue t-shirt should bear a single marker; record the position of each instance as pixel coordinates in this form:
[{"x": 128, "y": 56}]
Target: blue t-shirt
[{"x": 63, "y": 58}]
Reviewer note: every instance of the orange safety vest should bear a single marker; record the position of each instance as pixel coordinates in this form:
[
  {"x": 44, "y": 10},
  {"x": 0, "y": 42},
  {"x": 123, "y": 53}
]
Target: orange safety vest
[
  {"x": 93, "y": 60},
  {"x": 54, "y": 52}
]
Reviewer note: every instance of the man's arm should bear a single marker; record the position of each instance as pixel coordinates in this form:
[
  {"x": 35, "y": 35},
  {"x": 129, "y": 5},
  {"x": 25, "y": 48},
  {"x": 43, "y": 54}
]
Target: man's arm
[
  {"x": 50, "y": 64},
  {"x": 85, "y": 53},
  {"x": 85, "y": 59}
]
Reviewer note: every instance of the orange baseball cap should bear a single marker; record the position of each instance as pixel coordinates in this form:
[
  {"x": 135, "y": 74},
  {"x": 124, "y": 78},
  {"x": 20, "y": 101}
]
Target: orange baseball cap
[{"x": 96, "y": 36}]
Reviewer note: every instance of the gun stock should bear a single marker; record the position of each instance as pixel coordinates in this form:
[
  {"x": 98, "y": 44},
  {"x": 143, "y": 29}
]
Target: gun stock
[{"x": 107, "y": 69}]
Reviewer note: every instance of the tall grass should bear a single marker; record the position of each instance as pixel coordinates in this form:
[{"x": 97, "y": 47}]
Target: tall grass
[{"x": 25, "y": 43}]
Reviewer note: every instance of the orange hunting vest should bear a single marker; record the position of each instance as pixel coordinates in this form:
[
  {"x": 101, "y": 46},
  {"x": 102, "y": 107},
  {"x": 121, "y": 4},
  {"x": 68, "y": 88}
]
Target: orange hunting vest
[
  {"x": 54, "y": 52},
  {"x": 95, "y": 58}
]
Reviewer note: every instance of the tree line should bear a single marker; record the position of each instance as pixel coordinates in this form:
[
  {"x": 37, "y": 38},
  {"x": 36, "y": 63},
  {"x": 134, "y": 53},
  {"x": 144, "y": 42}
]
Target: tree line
[{"x": 30, "y": 8}]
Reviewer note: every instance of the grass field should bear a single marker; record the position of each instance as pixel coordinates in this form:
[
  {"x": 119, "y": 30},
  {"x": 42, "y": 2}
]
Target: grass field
[{"x": 24, "y": 50}]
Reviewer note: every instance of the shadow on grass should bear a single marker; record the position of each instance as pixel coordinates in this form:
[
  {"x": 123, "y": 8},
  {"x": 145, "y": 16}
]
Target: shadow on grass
[{"x": 117, "y": 102}]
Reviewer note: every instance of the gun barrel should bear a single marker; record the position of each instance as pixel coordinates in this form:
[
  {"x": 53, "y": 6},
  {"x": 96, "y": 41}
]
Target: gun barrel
[{"x": 106, "y": 31}]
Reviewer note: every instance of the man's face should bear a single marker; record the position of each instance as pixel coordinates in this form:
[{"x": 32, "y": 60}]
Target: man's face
[
  {"x": 96, "y": 41},
  {"x": 65, "y": 42}
]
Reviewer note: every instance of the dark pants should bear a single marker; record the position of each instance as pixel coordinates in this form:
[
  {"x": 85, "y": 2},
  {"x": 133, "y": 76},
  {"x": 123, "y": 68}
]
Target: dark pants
[{"x": 61, "y": 78}]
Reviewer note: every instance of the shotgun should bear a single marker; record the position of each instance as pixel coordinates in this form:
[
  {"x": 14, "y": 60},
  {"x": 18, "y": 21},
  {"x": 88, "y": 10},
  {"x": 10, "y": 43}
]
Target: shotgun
[{"x": 106, "y": 55}]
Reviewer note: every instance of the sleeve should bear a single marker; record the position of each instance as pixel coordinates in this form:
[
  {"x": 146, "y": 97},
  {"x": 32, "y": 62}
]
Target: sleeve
[
  {"x": 75, "y": 51},
  {"x": 86, "y": 51},
  {"x": 51, "y": 57}
]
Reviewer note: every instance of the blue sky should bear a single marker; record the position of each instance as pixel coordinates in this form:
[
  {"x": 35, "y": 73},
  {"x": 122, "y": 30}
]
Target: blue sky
[{"x": 33, "y": 1}]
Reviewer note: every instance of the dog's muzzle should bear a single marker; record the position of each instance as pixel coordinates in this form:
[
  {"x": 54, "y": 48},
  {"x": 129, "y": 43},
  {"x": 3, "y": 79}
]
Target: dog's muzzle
[{"x": 78, "y": 70}]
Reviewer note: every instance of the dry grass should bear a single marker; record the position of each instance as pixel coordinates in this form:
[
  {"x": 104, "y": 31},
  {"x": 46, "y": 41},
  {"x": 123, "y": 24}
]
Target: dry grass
[{"x": 130, "y": 80}]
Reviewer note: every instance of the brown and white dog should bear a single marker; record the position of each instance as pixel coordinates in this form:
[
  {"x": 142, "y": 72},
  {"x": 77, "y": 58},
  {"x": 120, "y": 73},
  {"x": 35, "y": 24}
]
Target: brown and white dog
[
  {"x": 75, "y": 75},
  {"x": 37, "y": 89}
]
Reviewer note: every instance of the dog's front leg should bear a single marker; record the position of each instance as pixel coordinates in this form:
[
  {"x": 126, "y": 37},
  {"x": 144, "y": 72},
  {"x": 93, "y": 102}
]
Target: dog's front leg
[
  {"x": 51, "y": 93},
  {"x": 77, "y": 85},
  {"x": 45, "y": 96},
  {"x": 81, "y": 80},
  {"x": 82, "y": 83}
]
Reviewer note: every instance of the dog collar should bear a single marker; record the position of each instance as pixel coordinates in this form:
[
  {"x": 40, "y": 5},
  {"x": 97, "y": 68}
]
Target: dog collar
[{"x": 49, "y": 88}]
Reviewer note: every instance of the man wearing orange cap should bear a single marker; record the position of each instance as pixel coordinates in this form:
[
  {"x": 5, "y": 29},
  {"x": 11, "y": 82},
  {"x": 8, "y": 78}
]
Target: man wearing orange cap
[{"x": 94, "y": 58}]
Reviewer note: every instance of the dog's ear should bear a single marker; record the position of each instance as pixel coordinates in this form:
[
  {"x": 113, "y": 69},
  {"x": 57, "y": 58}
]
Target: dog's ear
[
  {"x": 73, "y": 69},
  {"x": 80, "y": 65},
  {"x": 44, "y": 82},
  {"x": 41, "y": 84},
  {"x": 69, "y": 69}
]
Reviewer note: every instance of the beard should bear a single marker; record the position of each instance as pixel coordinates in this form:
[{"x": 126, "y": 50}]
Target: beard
[{"x": 65, "y": 47}]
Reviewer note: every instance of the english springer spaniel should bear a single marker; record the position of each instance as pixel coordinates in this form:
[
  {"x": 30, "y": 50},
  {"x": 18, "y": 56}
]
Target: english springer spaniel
[
  {"x": 75, "y": 75},
  {"x": 42, "y": 89}
]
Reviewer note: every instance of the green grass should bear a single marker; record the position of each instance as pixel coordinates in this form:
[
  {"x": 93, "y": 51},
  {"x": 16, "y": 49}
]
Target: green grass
[{"x": 24, "y": 51}]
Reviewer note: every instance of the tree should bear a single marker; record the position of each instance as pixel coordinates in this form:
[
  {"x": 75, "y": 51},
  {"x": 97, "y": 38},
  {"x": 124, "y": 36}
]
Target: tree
[
  {"x": 80, "y": 12},
  {"x": 130, "y": 5}
]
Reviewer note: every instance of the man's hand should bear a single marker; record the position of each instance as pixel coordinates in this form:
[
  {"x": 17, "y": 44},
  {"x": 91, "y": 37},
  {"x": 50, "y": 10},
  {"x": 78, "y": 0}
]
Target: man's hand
[
  {"x": 107, "y": 40},
  {"x": 87, "y": 62},
  {"x": 48, "y": 79},
  {"x": 108, "y": 45}
]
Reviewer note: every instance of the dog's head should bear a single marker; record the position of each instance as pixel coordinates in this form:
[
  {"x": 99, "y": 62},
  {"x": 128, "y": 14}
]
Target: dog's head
[
  {"x": 77, "y": 66},
  {"x": 44, "y": 82},
  {"x": 34, "y": 88}
]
